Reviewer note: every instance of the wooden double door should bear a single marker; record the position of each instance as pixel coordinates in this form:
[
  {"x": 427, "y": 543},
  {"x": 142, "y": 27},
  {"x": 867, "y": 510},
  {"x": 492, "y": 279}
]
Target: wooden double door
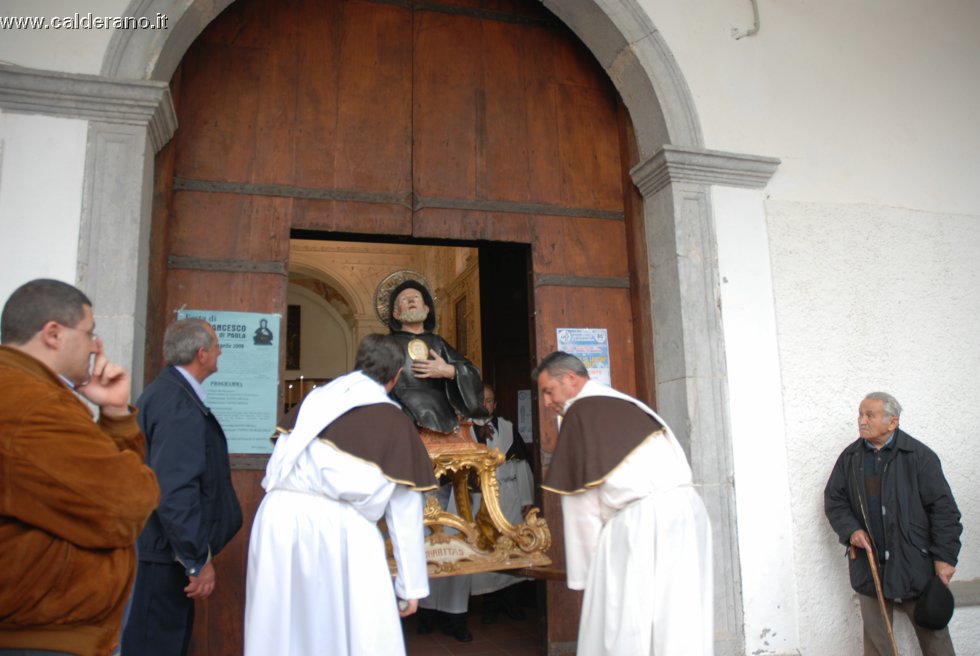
[{"x": 468, "y": 121}]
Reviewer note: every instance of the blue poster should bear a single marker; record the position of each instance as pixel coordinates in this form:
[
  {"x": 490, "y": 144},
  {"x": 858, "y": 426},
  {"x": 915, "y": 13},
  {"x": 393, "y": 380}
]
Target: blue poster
[
  {"x": 243, "y": 394},
  {"x": 591, "y": 346}
]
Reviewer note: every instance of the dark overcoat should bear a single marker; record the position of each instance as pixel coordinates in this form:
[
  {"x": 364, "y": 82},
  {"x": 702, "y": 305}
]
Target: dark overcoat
[
  {"x": 920, "y": 516},
  {"x": 186, "y": 447}
]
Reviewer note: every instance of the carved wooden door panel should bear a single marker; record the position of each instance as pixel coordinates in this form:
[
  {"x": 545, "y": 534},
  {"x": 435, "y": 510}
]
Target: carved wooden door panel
[{"x": 471, "y": 120}]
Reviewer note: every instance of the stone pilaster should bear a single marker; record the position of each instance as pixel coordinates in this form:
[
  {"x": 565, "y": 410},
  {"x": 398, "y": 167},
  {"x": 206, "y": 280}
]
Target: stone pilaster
[
  {"x": 691, "y": 385},
  {"x": 129, "y": 121}
]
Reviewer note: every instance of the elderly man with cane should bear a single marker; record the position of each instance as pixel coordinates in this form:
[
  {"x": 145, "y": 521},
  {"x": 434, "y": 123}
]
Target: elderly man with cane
[{"x": 888, "y": 496}]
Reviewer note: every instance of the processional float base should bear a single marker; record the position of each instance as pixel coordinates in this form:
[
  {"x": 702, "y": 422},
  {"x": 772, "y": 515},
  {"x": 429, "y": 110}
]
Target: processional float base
[{"x": 461, "y": 543}]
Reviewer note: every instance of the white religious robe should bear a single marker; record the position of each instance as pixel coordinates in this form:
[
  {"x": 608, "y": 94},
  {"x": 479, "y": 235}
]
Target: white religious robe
[
  {"x": 639, "y": 544},
  {"x": 516, "y": 491},
  {"x": 318, "y": 581}
]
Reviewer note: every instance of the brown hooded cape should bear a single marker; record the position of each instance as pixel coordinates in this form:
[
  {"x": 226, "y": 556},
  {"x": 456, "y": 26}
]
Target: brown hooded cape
[{"x": 596, "y": 435}]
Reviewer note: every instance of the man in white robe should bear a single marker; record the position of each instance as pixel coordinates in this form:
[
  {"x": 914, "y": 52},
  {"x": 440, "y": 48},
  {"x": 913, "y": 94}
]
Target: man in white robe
[
  {"x": 438, "y": 385},
  {"x": 499, "y": 590},
  {"x": 637, "y": 536},
  {"x": 318, "y": 579}
]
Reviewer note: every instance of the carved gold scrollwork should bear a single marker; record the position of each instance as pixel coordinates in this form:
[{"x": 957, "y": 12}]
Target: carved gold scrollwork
[{"x": 463, "y": 544}]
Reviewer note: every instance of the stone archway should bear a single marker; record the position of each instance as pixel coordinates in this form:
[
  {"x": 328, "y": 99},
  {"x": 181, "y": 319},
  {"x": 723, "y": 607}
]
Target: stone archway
[{"x": 674, "y": 175}]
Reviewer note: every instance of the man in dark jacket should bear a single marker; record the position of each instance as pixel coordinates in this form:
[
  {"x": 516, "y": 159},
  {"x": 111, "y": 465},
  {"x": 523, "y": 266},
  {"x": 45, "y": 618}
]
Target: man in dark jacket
[
  {"x": 199, "y": 513},
  {"x": 887, "y": 494}
]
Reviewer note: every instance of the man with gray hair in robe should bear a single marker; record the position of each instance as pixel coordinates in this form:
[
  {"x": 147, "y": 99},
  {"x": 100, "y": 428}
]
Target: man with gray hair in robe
[
  {"x": 438, "y": 385},
  {"x": 637, "y": 537}
]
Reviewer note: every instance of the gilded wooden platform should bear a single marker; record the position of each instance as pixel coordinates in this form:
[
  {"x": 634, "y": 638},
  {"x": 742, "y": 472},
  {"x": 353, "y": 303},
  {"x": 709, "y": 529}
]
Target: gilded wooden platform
[{"x": 462, "y": 543}]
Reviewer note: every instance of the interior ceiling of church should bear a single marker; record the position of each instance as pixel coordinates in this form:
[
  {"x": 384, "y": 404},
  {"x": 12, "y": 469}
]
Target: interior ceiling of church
[{"x": 347, "y": 273}]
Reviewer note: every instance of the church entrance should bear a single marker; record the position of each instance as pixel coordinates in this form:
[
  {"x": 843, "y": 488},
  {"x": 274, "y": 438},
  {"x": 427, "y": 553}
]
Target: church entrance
[
  {"x": 482, "y": 308},
  {"x": 470, "y": 124}
]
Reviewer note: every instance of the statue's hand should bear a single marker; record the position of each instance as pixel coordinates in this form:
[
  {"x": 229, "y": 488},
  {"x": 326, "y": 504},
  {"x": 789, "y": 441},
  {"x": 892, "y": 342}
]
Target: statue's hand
[{"x": 434, "y": 368}]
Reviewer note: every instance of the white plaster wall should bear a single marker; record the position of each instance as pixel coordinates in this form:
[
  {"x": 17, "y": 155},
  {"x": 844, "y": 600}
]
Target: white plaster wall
[
  {"x": 966, "y": 637},
  {"x": 68, "y": 50},
  {"x": 41, "y": 166},
  {"x": 762, "y": 488},
  {"x": 865, "y": 102},
  {"x": 873, "y": 225},
  {"x": 873, "y": 298}
]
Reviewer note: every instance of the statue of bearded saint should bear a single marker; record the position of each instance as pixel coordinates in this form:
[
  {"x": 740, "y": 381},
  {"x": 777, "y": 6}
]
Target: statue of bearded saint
[
  {"x": 440, "y": 390},
  {"x": 438, "y": 384}
]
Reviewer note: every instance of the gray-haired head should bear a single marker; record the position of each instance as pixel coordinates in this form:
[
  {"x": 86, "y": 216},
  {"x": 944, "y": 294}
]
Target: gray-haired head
[
  {"x": 379, "y": 357},
  {"x": 891, "y": 406},
  {"x": 559, "y": 363},
  {"x": 37, "y": 302},
  {"x": 184, "y": 338}
]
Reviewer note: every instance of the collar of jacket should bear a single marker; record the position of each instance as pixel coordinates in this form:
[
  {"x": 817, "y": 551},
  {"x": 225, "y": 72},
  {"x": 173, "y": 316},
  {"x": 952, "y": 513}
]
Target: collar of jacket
[
  {"x": 174, "y": 376},
  {"x": 902, "y": 442},
  {"x": 29, "y": 364}
]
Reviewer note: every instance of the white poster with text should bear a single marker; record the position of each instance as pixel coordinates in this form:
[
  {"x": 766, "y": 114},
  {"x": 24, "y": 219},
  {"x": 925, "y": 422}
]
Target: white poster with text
[
  {"x": 243, "y": 393},
  {"x": 591, "y": 346}
]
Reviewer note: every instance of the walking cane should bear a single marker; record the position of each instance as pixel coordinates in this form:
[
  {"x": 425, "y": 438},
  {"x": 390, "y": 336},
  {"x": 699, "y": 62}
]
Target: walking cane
[{"x": 881, "y": 595}]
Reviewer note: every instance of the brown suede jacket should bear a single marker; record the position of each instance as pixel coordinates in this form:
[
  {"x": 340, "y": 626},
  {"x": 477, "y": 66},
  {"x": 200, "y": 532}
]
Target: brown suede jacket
[{"x": 74, "y": 495}]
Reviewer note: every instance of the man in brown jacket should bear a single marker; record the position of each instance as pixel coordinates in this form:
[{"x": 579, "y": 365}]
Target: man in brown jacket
[{"x": 74, "y": 492}]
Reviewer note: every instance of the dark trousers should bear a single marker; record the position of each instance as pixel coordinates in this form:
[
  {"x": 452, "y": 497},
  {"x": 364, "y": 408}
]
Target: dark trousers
[
  {"x": 876, "y": 641},
  {"x": 161, "y": 618}
]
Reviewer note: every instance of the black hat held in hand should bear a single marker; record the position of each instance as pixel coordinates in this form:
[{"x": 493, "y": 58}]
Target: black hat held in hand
[{"x": 934, "y": 607}]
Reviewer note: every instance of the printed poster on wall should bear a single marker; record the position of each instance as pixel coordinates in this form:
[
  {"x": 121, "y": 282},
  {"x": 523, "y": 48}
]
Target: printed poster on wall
[
  {"x": 591, "y": 346},
  {"x": 243, "y": 393}
]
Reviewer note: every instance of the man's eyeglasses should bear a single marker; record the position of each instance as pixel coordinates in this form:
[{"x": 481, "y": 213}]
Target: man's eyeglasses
[{"x": 91, "y": 333}]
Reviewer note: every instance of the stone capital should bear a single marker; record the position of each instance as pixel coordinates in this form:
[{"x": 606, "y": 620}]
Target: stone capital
[
  {"x": 673, "y": 164},
  {"x": 139, "y": 103}
]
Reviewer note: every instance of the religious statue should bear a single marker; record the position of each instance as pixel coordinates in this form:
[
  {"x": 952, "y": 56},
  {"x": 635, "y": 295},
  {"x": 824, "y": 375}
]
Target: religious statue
[
  {"x": 442, "y": 391},
  {"x": 437, "y": 385}
]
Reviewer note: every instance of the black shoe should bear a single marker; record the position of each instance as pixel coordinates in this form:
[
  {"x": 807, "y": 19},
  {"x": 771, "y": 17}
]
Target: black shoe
[
  {"x": 455, "y": 626},
  {"x": 462, "y": 633}
]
